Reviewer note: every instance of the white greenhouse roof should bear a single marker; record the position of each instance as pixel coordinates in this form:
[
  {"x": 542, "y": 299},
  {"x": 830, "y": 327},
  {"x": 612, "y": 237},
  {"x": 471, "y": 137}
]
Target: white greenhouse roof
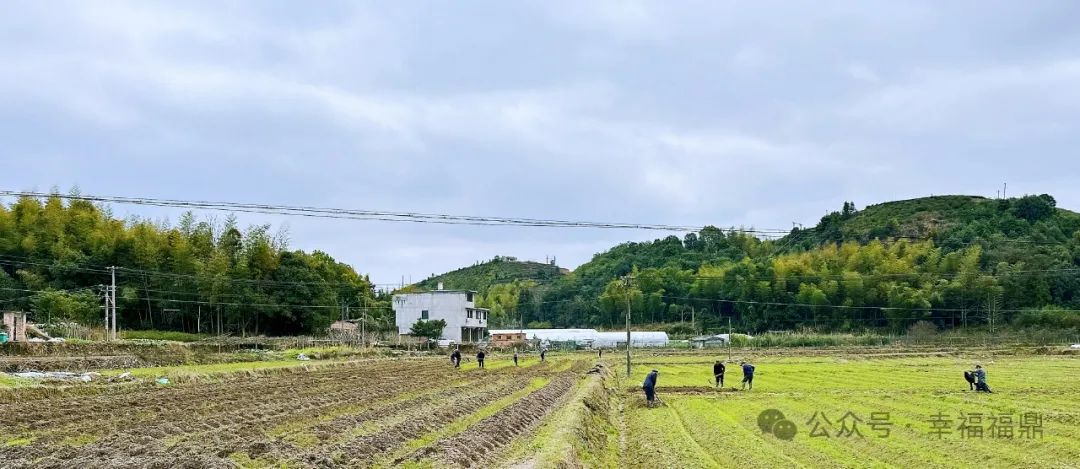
[{"x": 598, "y": 339}]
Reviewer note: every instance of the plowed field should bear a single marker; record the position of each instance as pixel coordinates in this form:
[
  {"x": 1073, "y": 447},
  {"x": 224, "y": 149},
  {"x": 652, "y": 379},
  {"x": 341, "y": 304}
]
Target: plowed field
[{"x": 359, "y": 415}]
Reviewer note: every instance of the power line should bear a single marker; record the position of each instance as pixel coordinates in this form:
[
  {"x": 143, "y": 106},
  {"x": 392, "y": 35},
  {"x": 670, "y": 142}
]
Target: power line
[
  {"x": 375, "y": 215},
  {"x": 807, "y": 305},
  {"x": 865, "y": 276}
]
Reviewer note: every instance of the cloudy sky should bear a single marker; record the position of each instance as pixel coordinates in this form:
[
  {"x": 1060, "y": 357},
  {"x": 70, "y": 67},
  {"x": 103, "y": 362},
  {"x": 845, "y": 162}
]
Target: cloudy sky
[{"x": 728, "y": 113}]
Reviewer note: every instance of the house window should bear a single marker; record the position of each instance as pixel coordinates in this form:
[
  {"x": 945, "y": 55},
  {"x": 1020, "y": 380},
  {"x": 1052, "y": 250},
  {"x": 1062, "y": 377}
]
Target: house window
[
  {"x": 468, "y": 313},
  {"x": 484, "y": 318},
  {"x": 424, "y": 314},
  {"x": 468, "y": 297}
]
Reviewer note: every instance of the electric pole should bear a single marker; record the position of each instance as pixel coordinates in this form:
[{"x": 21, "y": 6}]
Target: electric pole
[
  {"x": 626, "y": 284},
  {"x": 110, "y": 321},
  {"x": 729, "y": 337},
  {"x": 105, "y": 295}
]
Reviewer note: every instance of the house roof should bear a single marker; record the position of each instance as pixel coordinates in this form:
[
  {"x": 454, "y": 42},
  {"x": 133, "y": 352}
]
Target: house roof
[{"x": 435, "y": 291}]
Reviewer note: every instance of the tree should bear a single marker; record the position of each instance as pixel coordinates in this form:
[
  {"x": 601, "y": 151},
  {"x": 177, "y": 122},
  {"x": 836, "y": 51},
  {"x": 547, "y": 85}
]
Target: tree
[
  {"x": 432, "y": 329},
  {"x": 1034, "y": 208}
]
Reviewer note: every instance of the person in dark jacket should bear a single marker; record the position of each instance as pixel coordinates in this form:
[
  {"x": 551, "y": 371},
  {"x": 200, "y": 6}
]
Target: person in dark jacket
[
  {"x": 599, "y": 353},
  {"x": 515, "y": 357},
  {"x": 980, "y": 379},
  {"x": 649, "y": 386},
  {"x": 543, "y": 352},
  {"x": 456, "y": 358},
  {"x": 480, "y": 358},
  {"x": 747, "y": 375},
  {"x": 718, "y": 370}
]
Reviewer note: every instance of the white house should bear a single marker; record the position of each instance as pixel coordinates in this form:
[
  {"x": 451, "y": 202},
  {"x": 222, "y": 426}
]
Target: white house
[{"x": 464, "y": 321}]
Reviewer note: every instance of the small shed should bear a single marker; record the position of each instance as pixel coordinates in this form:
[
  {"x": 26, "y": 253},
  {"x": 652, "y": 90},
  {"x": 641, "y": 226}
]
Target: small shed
[
  {"x": 343, "y": 326},
  {"x": 505, "y": 339},
  {"x": 707, "y": 341},
  {"x": 15, "y": 325}
]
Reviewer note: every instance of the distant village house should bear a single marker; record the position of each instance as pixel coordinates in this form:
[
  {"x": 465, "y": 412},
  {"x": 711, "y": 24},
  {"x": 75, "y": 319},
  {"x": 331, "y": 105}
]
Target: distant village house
[{"x": 465, "y": 323}]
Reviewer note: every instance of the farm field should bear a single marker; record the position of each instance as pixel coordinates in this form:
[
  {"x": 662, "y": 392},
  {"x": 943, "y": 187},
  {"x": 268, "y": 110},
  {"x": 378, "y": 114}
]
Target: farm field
[
  {"x": 374, "y": 413},
  {"x": 420, "y": 412},
  {"x": 698, "y": 426}
]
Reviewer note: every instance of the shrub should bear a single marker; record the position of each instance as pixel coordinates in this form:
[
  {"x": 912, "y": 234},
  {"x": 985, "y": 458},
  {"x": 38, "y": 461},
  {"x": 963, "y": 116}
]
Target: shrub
[
  {"x": 922, "y": 329},
  {"x": 1049, "y": 316}
]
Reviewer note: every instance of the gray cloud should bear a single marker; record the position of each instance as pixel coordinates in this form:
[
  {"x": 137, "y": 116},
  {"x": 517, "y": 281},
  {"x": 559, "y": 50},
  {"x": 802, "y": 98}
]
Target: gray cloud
[{"x": 753, "y": 114}]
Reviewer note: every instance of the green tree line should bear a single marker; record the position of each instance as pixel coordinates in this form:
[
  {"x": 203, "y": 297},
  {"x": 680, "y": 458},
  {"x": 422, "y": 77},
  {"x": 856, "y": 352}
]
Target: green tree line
[
  {"x": 208, "y": 275},
  {"x": 950, "y": 261}
]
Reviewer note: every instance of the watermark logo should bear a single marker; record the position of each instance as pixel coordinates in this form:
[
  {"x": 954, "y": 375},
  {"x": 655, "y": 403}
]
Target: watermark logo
[
  {"x": 967, "y": 425},
  {"x": 773, "y": 421}
]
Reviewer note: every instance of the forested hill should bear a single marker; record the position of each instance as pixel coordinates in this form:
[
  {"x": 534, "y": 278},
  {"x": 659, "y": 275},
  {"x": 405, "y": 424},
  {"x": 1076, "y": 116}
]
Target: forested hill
[
  {"x": 501, "y": 269},
  {"x": 950, "y": 221},
  {"x": 196, "y": 275},
  {"x": 934, "y": 259}
]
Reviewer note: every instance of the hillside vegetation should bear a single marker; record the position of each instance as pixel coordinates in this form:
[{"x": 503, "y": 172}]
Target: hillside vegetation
[
  {"x": 482, "y": 276},
  {"x": 946, "y": 261}
]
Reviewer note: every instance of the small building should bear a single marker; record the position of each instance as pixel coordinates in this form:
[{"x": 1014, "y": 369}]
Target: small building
[
  {"x": 344, "y": 326},
  {"x": 508, "y": 339},
  {"x": 707, "y": 341},
  {"x": 465, "y": 323},
  {"x": 15, "y": 326}
]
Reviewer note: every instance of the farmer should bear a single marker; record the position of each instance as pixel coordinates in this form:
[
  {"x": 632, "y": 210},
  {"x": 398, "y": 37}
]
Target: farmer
[
  {"x": 480, "y": 358},
  {"x": 456, "y": 358},
  {"x": 543, "y": 352},
  {"x": 599, "y": 353},
  {"x": 980, "y": 379},
  {"x": 649, "y": 386},
  {"x": 515, "y": 357},
  {"x": 718, "y": 372},
  {"x": 747, "y": 375}
]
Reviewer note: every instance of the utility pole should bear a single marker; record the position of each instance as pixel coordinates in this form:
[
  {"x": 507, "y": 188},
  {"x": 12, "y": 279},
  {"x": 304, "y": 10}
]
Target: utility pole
[
  {"x": 626, "y": 284},
  {"x": 111, "y": 323},
  {"x": 729, "y": 337},
  {"x": 106, "y": 295}
]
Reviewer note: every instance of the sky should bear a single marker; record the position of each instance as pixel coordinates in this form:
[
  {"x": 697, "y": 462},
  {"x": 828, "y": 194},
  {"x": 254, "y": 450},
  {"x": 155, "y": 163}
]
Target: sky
[{"x": 754, "y": 114}]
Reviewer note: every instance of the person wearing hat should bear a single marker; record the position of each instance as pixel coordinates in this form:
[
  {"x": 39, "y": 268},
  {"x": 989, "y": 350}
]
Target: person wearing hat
[
  {"x": 649, "y": 386},
  {"x": 980, "y": 379}
]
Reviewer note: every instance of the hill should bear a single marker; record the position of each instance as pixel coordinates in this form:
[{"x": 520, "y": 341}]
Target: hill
[
  {"x": 946, "y": 260},
  {"x": 499, "y": 270},
  {"x": 953, "y": 221}
]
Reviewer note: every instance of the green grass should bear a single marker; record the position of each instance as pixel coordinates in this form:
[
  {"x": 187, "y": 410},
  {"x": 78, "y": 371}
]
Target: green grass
[
  {"x": 18, "y": 441},
  {"x": 81, "y": 440},
  {"x": 172, "y": 336},
  {"x": 242, "y": 459},
  {"x": 699, "y": 427},
  {"x": 8, "y": 382}
]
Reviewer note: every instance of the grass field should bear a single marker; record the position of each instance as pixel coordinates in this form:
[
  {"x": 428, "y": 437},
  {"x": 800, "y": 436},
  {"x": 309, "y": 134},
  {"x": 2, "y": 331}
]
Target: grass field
[{"x": 698, "y": 426}]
